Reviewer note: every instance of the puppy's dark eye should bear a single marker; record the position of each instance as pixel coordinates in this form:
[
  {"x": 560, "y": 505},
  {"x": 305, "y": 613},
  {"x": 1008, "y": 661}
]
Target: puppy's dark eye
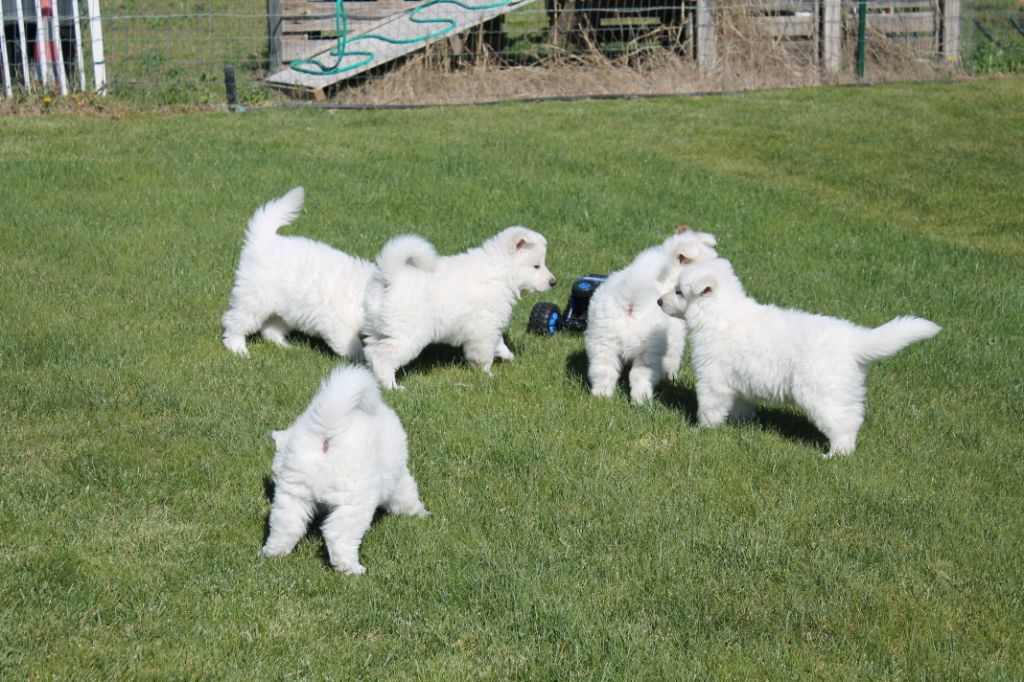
[
  {"x": 679, "y": 292},
  {"x": 536, "y": 267}
]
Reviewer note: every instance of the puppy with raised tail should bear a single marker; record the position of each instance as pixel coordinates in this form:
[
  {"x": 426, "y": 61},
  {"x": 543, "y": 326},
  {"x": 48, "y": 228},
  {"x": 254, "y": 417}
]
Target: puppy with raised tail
[
  {"x": 417, "y": 297},
  {"x": 347, "y": 452},
  {"x": 624, "y": 324},
  {"x": 744, "y": 350},
  {"x": 286, "y": 283}
]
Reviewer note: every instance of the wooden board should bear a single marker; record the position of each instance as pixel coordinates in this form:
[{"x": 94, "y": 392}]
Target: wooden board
[{"x": 396, "y": 26}]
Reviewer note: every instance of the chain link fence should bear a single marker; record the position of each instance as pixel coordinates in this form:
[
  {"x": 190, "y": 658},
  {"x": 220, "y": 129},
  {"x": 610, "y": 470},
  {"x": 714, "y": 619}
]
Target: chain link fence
[{"x": 408, "y": 52}]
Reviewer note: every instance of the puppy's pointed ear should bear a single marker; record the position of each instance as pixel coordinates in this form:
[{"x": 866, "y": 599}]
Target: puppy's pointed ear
[
  {"x": 279, "y": 437},
  {"x": 707, "y": 239},
  {"x": 705, "y": 285},
  {"x": 687, "y": 253},
  {"x": 519, "y": 239}
]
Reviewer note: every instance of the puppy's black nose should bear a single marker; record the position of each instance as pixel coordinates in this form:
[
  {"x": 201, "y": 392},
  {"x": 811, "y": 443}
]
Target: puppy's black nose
[{"x": 552, "y": 281}]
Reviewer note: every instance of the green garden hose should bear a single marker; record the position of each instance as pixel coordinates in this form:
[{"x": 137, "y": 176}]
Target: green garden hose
[{"x": 338, "y": 53}]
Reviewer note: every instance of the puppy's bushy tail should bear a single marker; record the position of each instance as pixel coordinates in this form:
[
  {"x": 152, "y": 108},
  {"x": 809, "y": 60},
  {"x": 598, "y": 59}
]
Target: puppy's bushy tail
[
  {"x": 275, "y": 214},
  {"x": 346, "y": 390},
  {"x": 892, "y": 337},
  {"x": 640, "y": 284},
  {"x": 406, "y": 251}
]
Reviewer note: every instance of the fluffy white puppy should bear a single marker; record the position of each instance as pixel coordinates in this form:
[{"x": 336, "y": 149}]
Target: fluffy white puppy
[
  {"x": 744, "y": 350},
  {"x": 286, "y": 283},
  {"x": 417, "y": 298},
  {"x": 625, "y": 325},
  {"x": 348, "y": 452}
]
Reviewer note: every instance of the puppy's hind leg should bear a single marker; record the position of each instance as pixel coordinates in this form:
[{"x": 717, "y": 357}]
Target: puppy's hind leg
[
  {"x": 275, "y": 330},
  {"x": 481, "y": 354},
  {"x": 343, "y": 531},
  {"x": 345, "y": 343},
  {"x": 643, "y": 377},
  {"x": 603, "y": 370},
  {"x": 238, "y": 324},
  {"x": 503, "y": 352},
  {"x": 289, "y": 516},
  {"x": 387, "y": 354},
  {"x": 840, "y": 427},
  {"x": 405, "y": 500},
  {"x": 713, "y": 404}
]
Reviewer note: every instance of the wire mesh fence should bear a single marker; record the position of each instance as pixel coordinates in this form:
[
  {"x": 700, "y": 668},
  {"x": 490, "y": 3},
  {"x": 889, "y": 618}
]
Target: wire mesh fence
[{"x": 446, "y": 51}]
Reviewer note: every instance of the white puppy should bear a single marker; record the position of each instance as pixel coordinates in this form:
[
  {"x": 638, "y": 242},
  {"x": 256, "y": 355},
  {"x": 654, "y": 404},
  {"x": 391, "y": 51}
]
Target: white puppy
[
  {"x": 417, "y": 298},
  {"x": 348, "y": 452},
  {"x": 744, "y": 350},
  {"x": 286, "y": 283},
  {"x": 625, "y": 325}
]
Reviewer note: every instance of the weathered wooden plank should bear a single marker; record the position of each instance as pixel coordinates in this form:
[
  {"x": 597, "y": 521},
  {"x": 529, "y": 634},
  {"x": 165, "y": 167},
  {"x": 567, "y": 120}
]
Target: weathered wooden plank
[
  {"x": 303, "y": 49},
  {"x": 798, "y": 26},
  {"x": 783, "y": 6},
  {"x": 395, "y": 27},
  {"x": 297, "y": 8},
  {"x": 951, "y": 29},
  {"x": 903, "y": 22},
  {"x": 325, "y": 21}
]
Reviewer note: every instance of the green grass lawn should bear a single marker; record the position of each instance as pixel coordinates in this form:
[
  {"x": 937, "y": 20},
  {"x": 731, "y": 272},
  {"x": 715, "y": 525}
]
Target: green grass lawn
[{"x": 570, "y": 537}]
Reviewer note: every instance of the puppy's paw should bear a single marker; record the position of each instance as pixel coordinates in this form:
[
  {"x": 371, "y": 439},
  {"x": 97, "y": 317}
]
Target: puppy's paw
[
  {"x": 641, "y": 394},
  {"x": 275, "y": 336},
  {"x": 236, "y": 345},
  {"x": 350, "y": 569},
  {"x": 271, "y": 552}
]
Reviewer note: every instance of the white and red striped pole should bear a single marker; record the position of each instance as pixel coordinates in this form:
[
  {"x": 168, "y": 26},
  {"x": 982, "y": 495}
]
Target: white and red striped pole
[{"x": 42, "y": 46}]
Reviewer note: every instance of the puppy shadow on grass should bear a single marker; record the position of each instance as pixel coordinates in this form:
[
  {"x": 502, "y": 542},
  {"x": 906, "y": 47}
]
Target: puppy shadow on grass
[
  {"x": 784, "y": 422},
  {"x": 791, "y": 426},
  {"x": 679, "y": 398},
  {"x": 312, "y": 342},
  {"x": 437, "y": 356},
  {"x": 433, "y": 357},
  {"x": 576, "y": 369},
  {"x": 672, "y": 395},
  {"x": 682, "y": 398},
  {"x": 313, "y": 529}
]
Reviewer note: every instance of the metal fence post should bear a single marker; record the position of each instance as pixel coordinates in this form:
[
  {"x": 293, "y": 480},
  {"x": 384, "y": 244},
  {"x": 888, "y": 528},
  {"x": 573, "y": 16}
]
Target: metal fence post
[
  {"x": 706, "y": 44},
  {"x": 274, "y": 31},
  {"x": 831, "y": 36},
  {"x": 951, "y": 30},
  {"x": 862, "y": 29}
]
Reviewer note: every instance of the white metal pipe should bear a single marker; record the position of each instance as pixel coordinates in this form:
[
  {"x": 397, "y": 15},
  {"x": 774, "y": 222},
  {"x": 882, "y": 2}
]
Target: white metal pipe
[
  {"x": 8, "y": 92},
  {"x": 62, "y": 76},
  {"x": 23, "y": 42},
  {"x": 96, "y": 37},
  {"x": 76, "y": 18}
]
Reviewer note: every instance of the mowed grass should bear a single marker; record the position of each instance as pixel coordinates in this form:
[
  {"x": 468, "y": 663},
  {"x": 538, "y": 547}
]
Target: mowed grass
[{"x": 570, "y": 537}]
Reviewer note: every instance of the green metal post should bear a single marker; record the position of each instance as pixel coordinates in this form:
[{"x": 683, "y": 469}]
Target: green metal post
[{"x": 862, "y": 29}]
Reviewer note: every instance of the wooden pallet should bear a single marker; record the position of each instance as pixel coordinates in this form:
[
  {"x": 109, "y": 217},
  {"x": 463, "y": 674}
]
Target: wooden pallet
[
  {"x": 931, "y": 26},
  {"x": 314, "y": 21},
  {"x": 916, "y": 23}
]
